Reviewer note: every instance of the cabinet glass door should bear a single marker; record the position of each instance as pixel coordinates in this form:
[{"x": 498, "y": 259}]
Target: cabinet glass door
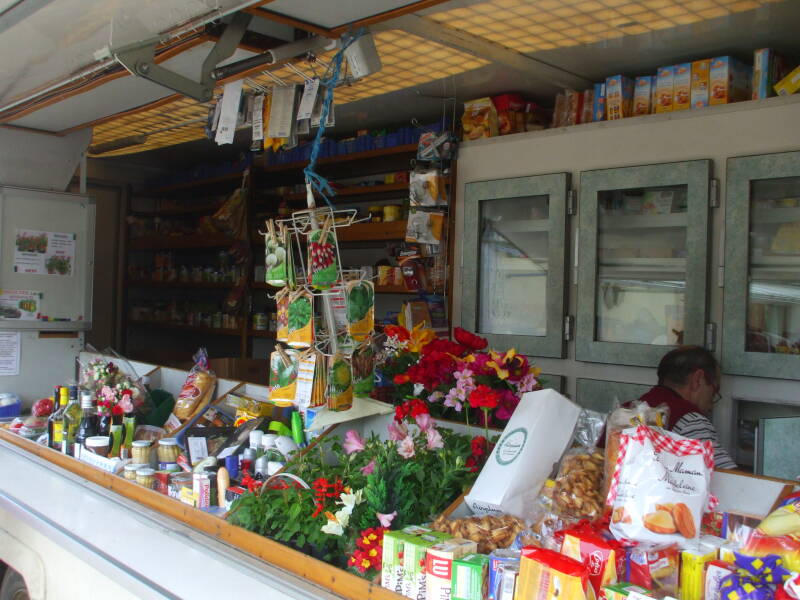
[
  {"x": 762, "y": 266},
  {"x": 512, "y": 282},
  {"x": 605, "y": 396},
  {"x": 642, "y": 272}
]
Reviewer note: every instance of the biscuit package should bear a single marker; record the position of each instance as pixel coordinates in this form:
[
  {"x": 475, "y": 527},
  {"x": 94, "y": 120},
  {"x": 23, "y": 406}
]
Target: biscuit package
[
  {"x": 548, "y": 575},
  {"x": 660, "y": 486}
]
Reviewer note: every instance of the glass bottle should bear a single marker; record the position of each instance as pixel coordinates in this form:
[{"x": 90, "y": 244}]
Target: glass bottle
[
  {"x": 88, "y": 425},
  {"x": 56, "y": 399},
  {"x": 55, "y": 425},
  {"x": 72, "y": 419}
]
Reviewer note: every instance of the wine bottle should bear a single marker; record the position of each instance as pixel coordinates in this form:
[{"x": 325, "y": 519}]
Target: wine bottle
[
  {"x": 72, "y": 418},
  {"x": 56, "y": 400},
  {"x": 56, "y": 437},
  {"x": 88, "y": 425}
]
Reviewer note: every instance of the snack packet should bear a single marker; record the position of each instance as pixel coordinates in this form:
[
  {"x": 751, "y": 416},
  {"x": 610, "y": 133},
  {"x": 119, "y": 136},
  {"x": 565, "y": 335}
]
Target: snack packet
[
  {"x": 340, "y": 384},
  {"x": 300, "y": 316},
  {"x": 479, "y": 119},
  {"x": 779, "y": 534},
  {"x": 548, "y": 575},
  {"x": 578, "y": 486},
  {"x": 360, "y": 309},
  {"x": 427, "y": 188},
  {"x": 323, "y": 266},
  {"x": 655, "y": 567},
  {"x": 584, "y": 544},
  {"x": 489, "y": 532},
  {"x": 660, "y": 486},
  {"x": 198, "y": 389}
]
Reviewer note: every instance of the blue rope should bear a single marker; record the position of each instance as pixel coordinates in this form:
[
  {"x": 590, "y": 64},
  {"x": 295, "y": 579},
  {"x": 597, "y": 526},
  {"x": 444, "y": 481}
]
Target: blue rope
[{"x": 317, "y": 181}]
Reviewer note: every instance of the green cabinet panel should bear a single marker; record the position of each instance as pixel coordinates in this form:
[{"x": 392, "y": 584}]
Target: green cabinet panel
[
  {"x": 513, "y": 262},
  {"x": 643, "y": 253},
  {"x": 761, "y": 334},
  {"x": 605, "y": 396}
]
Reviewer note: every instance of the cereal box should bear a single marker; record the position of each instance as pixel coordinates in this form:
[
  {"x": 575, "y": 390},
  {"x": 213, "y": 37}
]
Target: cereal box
[
  {"x": 700, "y": 74},
  {"x": 730, "y": 81},
  {"x": 414, "y": 551},
  {"x": 682, "y": 87},
  {"x": 643, "y": 95},
  {"x": 789, "y": 84},
  {"x": 619, "y": 97},
  {"x": 769, "y": 68},
  {"x": 470, "y": 581},
  {"x": 665, "y": 81},
  {"x": 599, "y": 104},
  {"x": 439, "y": 566}
]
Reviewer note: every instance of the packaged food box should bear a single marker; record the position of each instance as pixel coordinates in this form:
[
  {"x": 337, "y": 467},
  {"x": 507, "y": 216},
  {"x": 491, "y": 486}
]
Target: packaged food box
[
  {"x": 470, "y": 580},
  {"x": 393, "y": 548},
  {"x": 654, "y": 567},
  {"x": 415, "y": 548},
  {"x": 439, "y": 565},
  {"x": 599, "y": 102},
  {"x": 619, "y": 97},
  {"x": 574, "y": 107},
  {"x": 548, "y": 575},
  {"x": 620, "y": 591},
  {"x": 682, "y": 87},
  {"x": 769, "y": 68},
  {"x": 508, "y": 107},
  {"x": 598, "y": 555},
  {"x": 789, "y": 84},
  {"x": 497, "y": 559},
  {"x": 715, "y": 572},
  {"x": 479, "y": 119},
  {"x": 587, "y": 105},
  {"x": 701, "y": 71},
  {"x": 665, "y": 82},
  {"x": 643, "y": 95},
  {"x": 729, "y": 80},
  {"x": 693, "y": 563}
]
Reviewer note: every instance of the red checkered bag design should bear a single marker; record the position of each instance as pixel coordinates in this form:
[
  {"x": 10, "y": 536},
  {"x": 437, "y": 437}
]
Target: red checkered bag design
[{"x": 663, "y": 441}]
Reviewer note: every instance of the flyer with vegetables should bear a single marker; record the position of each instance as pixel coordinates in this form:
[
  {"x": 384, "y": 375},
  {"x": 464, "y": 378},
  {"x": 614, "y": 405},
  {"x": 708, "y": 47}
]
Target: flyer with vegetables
[{"x": 23, "y": 305}]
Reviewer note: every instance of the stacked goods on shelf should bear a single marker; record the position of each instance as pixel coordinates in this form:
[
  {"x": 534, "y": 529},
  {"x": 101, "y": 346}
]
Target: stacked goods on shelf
[{"x": 501, "y": 115}]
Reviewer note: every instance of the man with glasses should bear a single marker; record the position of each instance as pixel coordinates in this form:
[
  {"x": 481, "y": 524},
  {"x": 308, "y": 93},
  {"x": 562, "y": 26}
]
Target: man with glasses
[{"x": 688, "y": 383}]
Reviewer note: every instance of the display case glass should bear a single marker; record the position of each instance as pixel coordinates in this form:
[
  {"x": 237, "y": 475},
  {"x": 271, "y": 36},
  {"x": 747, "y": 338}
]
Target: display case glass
[
  {"x": 642, "y": 268},
  {"x": 762, "y": 266},
  {"x": 514, "y": 259},
  {"x": 604, "y": 396}
]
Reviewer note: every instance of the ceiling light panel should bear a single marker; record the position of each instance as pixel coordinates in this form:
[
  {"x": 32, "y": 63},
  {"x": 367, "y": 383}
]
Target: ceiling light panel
[{"x": 534, "y": 25}]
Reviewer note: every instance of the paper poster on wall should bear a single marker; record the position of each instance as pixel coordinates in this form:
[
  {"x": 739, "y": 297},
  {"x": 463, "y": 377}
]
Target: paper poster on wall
[
  {"x": 22, "y": 305},
  {"x": 9, "y": 353},
  {"x": 44, "y": 252}
]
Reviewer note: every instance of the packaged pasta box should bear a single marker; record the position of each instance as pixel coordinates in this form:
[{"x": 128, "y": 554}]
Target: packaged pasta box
[
  {"x": 682, "y": 87},
  {"x": 619, "y": 97},
  {"x": 701, "y": 71},
  {"x": 665, "y": 88},
  {"x": 393, "y": 555},
  {"x": 642, "y": 95}
]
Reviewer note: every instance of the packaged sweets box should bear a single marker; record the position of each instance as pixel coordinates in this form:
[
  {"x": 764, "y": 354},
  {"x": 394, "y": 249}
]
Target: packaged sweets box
[{"x": 730, "y": 80}]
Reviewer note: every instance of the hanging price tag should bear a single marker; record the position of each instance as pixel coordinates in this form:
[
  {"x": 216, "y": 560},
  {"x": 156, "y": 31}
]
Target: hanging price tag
[
  {"x": 281, "y": 114},
  {"x": 310, "y": 91},
  {"x": 258, "y": 117},
  {"x": 229, "y": 112}
]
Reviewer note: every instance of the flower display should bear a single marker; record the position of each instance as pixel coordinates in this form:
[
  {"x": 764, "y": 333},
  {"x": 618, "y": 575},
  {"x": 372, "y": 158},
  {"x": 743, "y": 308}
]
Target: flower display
[
  {"x": 116, "y": 392},
  {"x": 453, "y": 376}
]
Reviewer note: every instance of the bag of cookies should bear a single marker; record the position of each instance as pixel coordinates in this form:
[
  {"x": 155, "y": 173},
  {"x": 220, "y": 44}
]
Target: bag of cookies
[
  {"x": 578, "y": 488},
  {"x": 660, "y": 486}
]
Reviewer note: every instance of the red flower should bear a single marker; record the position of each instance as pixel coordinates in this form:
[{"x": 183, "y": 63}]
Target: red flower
[
  {"x": 472, "y": 464},
  {"x": 117, "y": 410},
  {"x": 399, "y": 412},
  {"x": 479, "y": 445},
  {"x": 484, "y": 397},
  {"x": 445, "y": 346},
  {"x": 417, "y": 407},
  {"x": 401, "y": 379},
  {"x": 470, "y": 340},
  {"x": 401, "y": 333}
]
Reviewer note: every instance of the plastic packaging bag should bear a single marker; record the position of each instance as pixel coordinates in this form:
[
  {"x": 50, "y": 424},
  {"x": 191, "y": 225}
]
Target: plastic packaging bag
[
  {"x": 426, "y": 188},
  {"x": 660, "y": 486},
  {"x": 300, "y": 320},
  {"x": 578, "y": 489},
  {"x": 340, "y": 384},
  {"x": 198, "y": 389},
  {"x": 277, "y": 256},
  {"x": 360, "y": 309},
  {"x": 323, "y": 265}
]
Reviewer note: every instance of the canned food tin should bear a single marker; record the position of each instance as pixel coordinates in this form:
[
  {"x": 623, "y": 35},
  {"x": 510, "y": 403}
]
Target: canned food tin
[
  {"x": 391, "y": 212},
  {"x": 260, "y": 322}
]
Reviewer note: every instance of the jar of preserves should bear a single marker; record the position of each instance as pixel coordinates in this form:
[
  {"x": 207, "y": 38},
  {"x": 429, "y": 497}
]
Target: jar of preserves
[
  {"x": 168, "y": 450},
  {"x": 130, "y": 471},
  {"x": 140, "y": 452},
  {"x": 146, "y": 477}
]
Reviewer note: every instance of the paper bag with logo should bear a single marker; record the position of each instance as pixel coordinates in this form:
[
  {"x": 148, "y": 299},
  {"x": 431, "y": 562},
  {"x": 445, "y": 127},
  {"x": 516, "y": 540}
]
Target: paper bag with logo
[
  {"x": 660, "y": 486},
  {"x": 534, "y": 439}
]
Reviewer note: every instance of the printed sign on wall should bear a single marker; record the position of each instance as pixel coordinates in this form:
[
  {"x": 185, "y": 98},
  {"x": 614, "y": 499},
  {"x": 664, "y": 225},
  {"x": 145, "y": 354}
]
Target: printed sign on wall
[{"x": 44, "y": 252}]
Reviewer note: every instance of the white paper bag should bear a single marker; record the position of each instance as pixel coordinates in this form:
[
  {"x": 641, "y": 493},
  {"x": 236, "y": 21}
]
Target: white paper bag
[{"x": 534, "y": 439}]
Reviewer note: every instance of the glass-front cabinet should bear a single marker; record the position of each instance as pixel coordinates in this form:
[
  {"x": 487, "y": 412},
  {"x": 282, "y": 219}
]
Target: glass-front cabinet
[
  {"x": 642, "y": 261},
  {"x": 512, "y": 281},
  {"x": 762, "y": 266}
]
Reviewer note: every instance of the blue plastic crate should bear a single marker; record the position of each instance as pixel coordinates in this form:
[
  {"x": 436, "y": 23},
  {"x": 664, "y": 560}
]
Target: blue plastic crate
[
  {"x": 379, "y": 141},
  {"x": 12, "y": 410},
  {"x": 394, "y": 139}
]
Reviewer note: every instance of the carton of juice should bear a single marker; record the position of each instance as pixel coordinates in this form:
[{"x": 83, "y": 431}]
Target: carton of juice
[
  {"x": 470, "y": 581},
  {"x": 700, "y": 74},
  {"x": 665, "y": 82},
  {"x": 599, "y": 104},
  {"x": 619, "y": 97},
  {"x": 730, "y": 81},
  {"x": 682, "y": 86},
  {"x": 414, "y": 551},
  {"x": 643, "y": 95},
  {"x": 439, "y": 566}
]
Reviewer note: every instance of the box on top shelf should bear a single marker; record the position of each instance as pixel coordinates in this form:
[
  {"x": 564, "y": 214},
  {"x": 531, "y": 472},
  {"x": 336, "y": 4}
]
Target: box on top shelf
[
  {"x": 599, "y": 103},
  {"x": 643, "y": 95},
  {"x": 665, "y": 87},
  {"x": 789, "y": 84},
  {"x": 769, "y": 68},
  {"x": 682, "y": 86},
  {"x": 619, "y": 97},
  {"x": 701, "y": 70},
  {"x": 730, "y": 80},
  {"x": 510, "y": 113}
]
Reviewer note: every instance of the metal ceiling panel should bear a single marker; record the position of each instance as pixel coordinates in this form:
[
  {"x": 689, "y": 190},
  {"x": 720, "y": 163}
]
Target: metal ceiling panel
[
  {"x": 335, "y": 13},
  {"x": 63, "y": 37},
  {"x": 118, "y": 95}
]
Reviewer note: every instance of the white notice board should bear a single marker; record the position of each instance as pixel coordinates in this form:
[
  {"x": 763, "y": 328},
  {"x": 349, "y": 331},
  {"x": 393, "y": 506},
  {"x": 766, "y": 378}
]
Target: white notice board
[{"x": 46, "y": 259}]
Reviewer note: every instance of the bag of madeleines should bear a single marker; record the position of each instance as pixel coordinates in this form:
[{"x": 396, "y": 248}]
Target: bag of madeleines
[{"x": 660, "y": 486}]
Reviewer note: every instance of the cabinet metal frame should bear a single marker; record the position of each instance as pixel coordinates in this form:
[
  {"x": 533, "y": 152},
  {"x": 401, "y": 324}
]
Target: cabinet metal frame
[
  {"x": 555, "y": 186},
  {"x": 735, "y": 359},
  {"x": 696, "y": 176}
]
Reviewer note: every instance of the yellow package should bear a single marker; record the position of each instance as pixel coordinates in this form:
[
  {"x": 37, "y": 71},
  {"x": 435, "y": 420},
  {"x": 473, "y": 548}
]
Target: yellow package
[
  {"x": 548, "y": 575},
  {"x": 283, "y": 367},
  {"x": 282, "y": 316},
  {"x": 693, "y": 565},
  {"x": 300, "y": 317},
  {"x": 479, "y": 119},
  {"x": 360, "y": 309},
  {"x": 340, "y": 384}
]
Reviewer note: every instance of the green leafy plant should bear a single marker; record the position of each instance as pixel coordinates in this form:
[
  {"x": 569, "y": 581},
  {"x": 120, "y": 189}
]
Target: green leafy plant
[
  {"x": 360, "y": 299},
  {"x": 299, "y": 313}
]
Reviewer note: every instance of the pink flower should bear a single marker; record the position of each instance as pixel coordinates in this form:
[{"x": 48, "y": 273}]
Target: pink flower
[
  {"x": 528, "y": 383},
  {"x": 369, "y": 469},
  {"x": 386, "y": 520},
  {"x": 353, "y": 442},
  {"x": 434, "y": 439},
  {"x": 108, "y": 394},
  {"x": 454, "y": 398},
  {"x": 424, "y": 422},
  {"x": 435, "y": 396},
  {"x": 397, "y": 431},
  {"x": 126, "y": 404},
  {"x": 406, "y": 447}
]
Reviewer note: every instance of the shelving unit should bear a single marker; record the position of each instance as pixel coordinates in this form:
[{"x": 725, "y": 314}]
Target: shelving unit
[
  {"x": 180, "y": 242},
  {"x": 201, "y": 285}
]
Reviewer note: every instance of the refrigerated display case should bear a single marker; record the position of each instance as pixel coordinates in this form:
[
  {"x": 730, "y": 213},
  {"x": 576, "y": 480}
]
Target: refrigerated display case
[
  {"x": 762, "y": 266},
  {"x": 513, "y": 282},
  {"x": 643, "y": 253}
]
